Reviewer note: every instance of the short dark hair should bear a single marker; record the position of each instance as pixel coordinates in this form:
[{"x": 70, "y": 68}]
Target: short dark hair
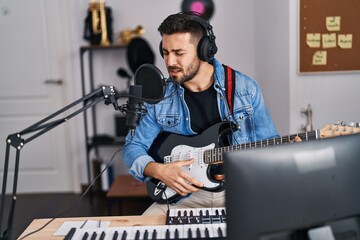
[{"x": 183, "y": 22}]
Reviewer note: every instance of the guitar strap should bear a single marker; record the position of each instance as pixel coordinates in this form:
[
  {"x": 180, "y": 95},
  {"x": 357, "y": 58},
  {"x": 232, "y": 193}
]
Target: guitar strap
[{"x": 229, "y": 86}]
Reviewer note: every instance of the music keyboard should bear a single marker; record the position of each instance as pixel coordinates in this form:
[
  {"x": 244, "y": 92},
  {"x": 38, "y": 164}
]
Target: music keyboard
[
  {"x": 185, "y": 231},
  {"x": 196, "y": 216}
]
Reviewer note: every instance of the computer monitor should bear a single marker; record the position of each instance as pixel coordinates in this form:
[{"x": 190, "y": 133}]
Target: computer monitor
[{"x": 281, "y": 192}]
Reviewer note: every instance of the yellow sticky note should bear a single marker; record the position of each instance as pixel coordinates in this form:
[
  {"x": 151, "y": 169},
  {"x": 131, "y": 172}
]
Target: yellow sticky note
[
  {"x": 320, "y": 58},
  {"x": 329, "y": 40},
  {"x": 313, "y": 40},
  {"x": 333, "y": 23},
  {"x": 345, "y": 41}
]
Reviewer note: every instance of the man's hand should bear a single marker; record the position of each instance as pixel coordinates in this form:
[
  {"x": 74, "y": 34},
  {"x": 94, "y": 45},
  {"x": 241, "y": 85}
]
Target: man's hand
[
  {"x": 173, "y": 176},
  {"x": 297, "y": 139}
]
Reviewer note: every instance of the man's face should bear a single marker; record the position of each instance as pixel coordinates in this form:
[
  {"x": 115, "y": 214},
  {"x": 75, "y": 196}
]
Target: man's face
[{"x": 180, "y": 55}]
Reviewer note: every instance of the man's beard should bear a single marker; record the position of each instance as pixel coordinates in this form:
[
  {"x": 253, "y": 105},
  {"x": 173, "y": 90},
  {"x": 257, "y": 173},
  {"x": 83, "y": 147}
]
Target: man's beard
[{"x": 190, "y": 72}]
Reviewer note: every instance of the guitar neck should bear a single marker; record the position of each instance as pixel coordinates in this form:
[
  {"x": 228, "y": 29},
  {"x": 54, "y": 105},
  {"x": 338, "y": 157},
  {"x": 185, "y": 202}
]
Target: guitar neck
[{"x": 216, "y": 155}]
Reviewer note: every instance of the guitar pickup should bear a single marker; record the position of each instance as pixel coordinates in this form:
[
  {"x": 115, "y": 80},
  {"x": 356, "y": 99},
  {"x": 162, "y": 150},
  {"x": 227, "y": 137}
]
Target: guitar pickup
[{"x": 168, "y": 159}]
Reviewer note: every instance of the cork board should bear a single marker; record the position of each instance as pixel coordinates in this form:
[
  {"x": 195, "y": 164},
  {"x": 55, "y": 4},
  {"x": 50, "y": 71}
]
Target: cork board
[{"x": 329, "y": 35}]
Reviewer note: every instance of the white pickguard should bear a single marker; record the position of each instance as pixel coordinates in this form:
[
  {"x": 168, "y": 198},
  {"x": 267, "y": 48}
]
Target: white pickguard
[{"x": 198, "y": 169}]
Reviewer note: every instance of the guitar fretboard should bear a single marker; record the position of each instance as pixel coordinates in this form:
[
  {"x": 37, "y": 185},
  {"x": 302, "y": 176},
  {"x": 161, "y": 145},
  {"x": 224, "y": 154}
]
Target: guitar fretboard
[{"x": 216, "y": 155}]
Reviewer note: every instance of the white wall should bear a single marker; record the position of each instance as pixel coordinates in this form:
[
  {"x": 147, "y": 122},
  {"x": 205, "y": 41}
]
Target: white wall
[{"x": 272, "y": 58}]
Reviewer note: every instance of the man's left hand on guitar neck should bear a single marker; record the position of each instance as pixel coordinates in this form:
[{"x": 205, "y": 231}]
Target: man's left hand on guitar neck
[
  {"x": 173, "y": 176},
  {"x": 297, "y": 139}
]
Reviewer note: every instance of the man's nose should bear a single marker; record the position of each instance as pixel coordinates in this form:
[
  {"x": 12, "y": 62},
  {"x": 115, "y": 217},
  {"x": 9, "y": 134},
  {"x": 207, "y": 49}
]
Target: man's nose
[{"x": 170, "y": 59}]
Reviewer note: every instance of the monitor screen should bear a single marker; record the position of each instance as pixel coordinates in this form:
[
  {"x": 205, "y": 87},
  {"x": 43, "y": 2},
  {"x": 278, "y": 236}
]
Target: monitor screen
[{"x": 283, "y": 191}]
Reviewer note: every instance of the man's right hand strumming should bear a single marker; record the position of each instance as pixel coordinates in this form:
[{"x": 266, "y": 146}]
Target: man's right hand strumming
[{"x": 173, "y": 176}]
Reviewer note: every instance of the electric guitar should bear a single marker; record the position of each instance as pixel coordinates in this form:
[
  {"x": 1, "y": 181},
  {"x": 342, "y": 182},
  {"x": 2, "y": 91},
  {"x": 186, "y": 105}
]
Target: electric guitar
[{"x": 207, "y": 151}]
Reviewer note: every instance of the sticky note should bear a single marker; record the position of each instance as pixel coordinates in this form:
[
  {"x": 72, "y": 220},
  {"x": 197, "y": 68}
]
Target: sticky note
[
  {"x": 320, "y": 58},
  {"x": 329, "y": 40},
  {"x": 333, "y": 23},
  {"x": 345, "y": 41},
  {"x": 313, "y": 40}
]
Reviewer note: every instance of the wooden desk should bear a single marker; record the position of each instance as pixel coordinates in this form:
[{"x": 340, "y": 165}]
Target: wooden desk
[
  {"x": 49, "y": 230},
  {"x": 125, "y": 187}
]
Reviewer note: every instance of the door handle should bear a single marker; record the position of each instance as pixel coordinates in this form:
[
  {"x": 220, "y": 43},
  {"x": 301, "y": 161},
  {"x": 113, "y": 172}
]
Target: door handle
[{"x": 54, "y": 81}]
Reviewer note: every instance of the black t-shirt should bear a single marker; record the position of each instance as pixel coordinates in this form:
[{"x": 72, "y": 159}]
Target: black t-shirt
[{"x": 203, "y": 108}]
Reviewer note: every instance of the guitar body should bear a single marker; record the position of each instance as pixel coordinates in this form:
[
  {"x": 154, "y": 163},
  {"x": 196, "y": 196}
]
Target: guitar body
[{"x": 169, "y": 147}]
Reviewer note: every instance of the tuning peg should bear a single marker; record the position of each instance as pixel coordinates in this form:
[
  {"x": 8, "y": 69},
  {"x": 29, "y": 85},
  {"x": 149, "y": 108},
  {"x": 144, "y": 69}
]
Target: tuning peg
[
  {"x": 351, "y": 124},
  {"x": 343, "y": 123},
  {"x": 337, "y": 124},
  {"x": 357, "y": 125}
]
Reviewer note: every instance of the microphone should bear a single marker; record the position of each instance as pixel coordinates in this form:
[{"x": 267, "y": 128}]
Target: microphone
[
  {"x": 134, "y": 108},
  {"x": 149, "y": 86},
  {"x": 152, "y": 81},
  {"x": 121, "y": 72}
]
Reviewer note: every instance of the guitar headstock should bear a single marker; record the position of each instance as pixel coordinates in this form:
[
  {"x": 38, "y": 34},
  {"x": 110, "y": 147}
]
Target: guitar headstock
[{"x": 339, "y": 129}]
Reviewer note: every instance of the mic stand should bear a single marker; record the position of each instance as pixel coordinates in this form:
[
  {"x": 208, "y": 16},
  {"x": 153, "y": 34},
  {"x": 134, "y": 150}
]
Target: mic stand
[{"x": 106, "y": 93}]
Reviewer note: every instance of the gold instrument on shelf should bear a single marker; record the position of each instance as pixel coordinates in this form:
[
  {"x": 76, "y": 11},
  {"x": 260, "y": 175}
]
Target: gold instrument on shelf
[
  {"x": 128, "y": 34},
  {"x": 99, "y": 23},
  {"x": 104, "y": 36},
  {"x": 94, "y": 8}
]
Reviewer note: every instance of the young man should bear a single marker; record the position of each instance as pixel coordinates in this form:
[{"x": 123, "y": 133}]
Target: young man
[{"x": 188, "y": 48}]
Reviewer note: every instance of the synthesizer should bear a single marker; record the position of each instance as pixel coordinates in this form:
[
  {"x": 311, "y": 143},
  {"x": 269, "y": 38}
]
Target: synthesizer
[
  {"x": 196, "y": 216},
  {"x": 183, "y": 223},
  {"x": 184, "y": 231}
]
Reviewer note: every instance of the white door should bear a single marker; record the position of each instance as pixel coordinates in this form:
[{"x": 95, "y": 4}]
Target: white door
[{"x": 31, "y": 52}]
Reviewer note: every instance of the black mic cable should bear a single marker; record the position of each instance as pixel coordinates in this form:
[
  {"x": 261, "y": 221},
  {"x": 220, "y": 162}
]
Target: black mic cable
[{"x": 167, "y": 203}]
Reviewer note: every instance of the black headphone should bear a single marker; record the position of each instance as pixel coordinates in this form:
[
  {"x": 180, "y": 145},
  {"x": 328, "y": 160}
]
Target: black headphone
[{"x": 207, "y": 47}]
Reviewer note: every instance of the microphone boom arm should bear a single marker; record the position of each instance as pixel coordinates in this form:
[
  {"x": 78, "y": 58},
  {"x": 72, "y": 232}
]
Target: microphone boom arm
[{"x": 17, "y": 141}]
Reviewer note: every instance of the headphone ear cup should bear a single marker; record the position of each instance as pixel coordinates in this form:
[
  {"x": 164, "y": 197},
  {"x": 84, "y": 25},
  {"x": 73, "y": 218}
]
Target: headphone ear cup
[
  {"x": 205, "y": 50},
  {"x": 160, "y": 50}
]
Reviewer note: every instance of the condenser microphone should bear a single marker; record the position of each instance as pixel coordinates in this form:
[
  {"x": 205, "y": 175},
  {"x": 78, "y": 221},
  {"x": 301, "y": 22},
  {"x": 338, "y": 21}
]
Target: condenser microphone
[
  {"x": 134, "y": 108},
  {"x": 152, "y": 81}
]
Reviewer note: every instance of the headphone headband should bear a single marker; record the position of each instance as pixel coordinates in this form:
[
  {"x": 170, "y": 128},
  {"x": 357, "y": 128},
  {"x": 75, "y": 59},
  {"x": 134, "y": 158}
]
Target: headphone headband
[
  {"x": 206, "y": 48},
  {"x": 204, "y": 23}
]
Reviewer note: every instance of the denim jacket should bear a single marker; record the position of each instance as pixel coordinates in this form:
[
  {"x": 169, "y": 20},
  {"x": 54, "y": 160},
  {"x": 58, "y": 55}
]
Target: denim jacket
[{"x": 172, "y": 115}]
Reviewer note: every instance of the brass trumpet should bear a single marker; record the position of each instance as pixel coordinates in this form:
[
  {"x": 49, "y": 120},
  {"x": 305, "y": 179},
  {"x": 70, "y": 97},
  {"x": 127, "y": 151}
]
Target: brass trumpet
[
  {"x": 94, "y": 7},
  {"x": 126, "y": 35},
  {"x": 99, "y": 22}
]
